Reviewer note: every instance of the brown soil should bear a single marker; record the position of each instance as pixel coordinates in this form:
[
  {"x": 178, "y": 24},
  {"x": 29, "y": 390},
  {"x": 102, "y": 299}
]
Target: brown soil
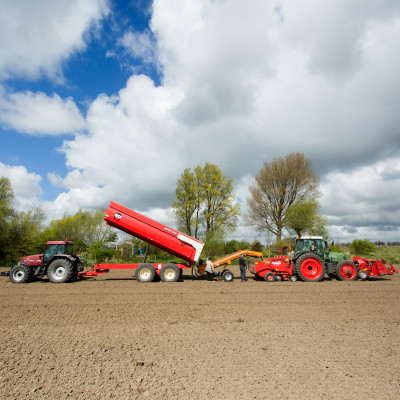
[{"x": 112, "y": 337}]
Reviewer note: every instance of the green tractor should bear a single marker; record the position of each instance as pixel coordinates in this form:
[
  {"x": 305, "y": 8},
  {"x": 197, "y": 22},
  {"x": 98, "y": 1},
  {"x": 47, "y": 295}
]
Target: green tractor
[{"x": 336, "y": 265}]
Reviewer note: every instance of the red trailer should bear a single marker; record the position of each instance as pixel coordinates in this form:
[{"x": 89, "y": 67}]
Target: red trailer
[{"x": 156, "y": 234}]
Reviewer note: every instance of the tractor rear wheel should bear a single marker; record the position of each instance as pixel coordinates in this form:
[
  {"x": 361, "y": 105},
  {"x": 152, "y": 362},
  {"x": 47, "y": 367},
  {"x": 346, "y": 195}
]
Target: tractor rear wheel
[
  {"x": 145, "y": 273},
  {"x": 21, "y": 273},
  {"x": 346, "y": 270},
  {"x": 60, "y": 271},
  {"x": 309, "y": 267},
  {"x": 170, "y": 273}
]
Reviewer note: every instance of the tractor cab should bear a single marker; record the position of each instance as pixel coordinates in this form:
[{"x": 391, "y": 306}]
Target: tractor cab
[
  {"x": 313, "y": 244},
  {"x": 57, "y": 248}
]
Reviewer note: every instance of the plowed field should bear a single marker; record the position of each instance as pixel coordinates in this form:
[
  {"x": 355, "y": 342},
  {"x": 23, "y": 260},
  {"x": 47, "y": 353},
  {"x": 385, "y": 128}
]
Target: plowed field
[{"x": 111, "y": 337}]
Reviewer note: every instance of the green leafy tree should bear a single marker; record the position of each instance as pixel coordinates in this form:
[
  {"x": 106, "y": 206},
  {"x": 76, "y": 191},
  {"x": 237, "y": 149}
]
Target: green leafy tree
[
  {"x": 278, "y": 185},
  {"x": 204, "y": 199},
  {"x": 6, "y": 212},
  {"x": 304, "y": 216},
  {"x": 359, "y": 246}
]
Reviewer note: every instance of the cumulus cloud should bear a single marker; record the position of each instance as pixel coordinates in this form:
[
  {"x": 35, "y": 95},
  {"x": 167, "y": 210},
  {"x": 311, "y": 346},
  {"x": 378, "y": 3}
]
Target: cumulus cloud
[
  {"x": 25, "y": 185},
  {"x": 37, "y": 113},
  {"x": 39, "y": 36}
]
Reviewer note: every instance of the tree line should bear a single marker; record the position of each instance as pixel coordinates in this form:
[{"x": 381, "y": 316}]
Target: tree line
[{"x": 284, "y": 195}]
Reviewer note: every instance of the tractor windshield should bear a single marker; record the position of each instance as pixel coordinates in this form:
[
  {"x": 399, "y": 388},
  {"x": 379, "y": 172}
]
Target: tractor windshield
[{"x": 68, "y": 249}]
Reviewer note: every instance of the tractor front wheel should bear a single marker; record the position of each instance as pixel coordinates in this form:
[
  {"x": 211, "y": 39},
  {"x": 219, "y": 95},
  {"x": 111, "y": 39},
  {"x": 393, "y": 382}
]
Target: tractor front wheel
[
  {"x": 21, "y": 273},
  {"x": 60, "y": 271},
  {"x": 346, "y": 270},
  {"x": 309, "y": 267}
]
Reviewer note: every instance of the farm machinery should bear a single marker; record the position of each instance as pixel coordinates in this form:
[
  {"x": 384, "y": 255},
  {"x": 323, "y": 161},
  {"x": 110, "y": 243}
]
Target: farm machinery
[
  {"x": 311, "y": 259},
  {"x": 58, "y": 262}
]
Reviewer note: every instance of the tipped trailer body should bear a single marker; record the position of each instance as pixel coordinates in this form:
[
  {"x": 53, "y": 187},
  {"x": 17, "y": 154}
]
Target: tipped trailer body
[{"x": 156, "y": 234}]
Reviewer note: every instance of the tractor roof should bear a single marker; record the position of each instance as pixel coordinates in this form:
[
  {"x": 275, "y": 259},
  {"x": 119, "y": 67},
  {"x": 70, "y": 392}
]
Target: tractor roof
[
  {"x": 310, "y": 237},
  {"x": 59, "y": 242}
]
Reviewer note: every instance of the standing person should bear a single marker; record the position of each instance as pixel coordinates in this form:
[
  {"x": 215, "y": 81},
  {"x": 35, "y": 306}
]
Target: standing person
[
  {"x": 210, "y": 270},
  {"x": 242, "y": 266}
]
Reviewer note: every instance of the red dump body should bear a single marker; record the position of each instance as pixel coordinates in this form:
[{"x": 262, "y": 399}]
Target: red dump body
[{"x": 154, "y": 233}]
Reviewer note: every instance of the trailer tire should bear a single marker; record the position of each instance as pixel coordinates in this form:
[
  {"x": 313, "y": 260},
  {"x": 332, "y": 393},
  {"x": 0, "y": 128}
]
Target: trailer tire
[
  {"x": 309, "y": 267},
  {"x": 227, "y": 276},
  {"x": 145, "y": 273},
  {"x": 363, "y": 275},
  {"x": 60, "y": 271},
  {"x": 278, "y": 278},
  {"x": 293, "y": 278},
  {"x": 269, "y": 277},
  {"x": 21, "y": 273},
  {"x": 170, "y": 273},
  {"x": 346, "y": 270}
]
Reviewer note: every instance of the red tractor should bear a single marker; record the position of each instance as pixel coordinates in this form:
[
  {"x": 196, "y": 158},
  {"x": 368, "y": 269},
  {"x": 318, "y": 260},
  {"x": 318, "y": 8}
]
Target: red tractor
[{"x": 58, "y": 262}]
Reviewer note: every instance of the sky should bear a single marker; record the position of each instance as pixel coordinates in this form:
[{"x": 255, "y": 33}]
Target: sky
[{"x": 107, "y": 100}]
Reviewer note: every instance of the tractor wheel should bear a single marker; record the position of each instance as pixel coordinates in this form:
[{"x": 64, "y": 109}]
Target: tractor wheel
[
  {"x": 145, "y": 273},
  {"x": 346, "y": 270},
  {"x": 293, "y": 278},
  {"x": 21, "y": 273},
  {"x": 169, "y": 273},
  {"x": 309, "y": 267},
  {"x": 60, "y": 271},
  {"x": 363, "y": 275},
  {"x": 227, "y": 276},
  {"x": 269, "y": 277}
]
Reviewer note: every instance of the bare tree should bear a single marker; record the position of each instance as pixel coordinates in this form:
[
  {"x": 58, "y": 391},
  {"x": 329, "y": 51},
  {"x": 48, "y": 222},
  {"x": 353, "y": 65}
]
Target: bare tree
[{"x": 277, "y": 186}]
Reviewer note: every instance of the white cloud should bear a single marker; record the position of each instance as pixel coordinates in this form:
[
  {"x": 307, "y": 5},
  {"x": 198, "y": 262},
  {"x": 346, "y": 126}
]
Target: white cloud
[
  {"x": 25, "y": 185},
  {"x": 37, "y": 36},
  {"x": 37, "y": 113}
]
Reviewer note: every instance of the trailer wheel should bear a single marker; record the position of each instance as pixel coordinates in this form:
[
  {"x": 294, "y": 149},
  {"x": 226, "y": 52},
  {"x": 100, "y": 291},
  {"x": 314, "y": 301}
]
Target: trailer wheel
[
  {"x": 227, "y": 276},
  {"x": 293, "y": 278},
  {"x": 346, "y": 270},
  {"x": 363, "y": 275},
  {"x": 309, "y": 267},
  {"x": 278, "y": 278},
  {"x": 21, "y": 273},
  {"x": 60, "y": 271},
  {"x": 269, "y": 277},
  {"x": 169, "y": 273},
  {"x": 145, "y": 273}
]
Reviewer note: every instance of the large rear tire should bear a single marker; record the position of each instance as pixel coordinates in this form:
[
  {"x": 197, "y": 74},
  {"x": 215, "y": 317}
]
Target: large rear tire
[
  {"x": 21, "y": 273},
  {"x": 60, "y": 271},
  {"x": 170, "y": 273},
  {"x": 346, "y": 270},
  {"x": 145, "y": 273},
  {"x": 309, "y": 267}
]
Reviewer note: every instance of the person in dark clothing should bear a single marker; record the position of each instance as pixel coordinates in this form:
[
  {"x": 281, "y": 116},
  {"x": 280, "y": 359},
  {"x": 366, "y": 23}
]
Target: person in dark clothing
[{"x": 242, "y": 266}]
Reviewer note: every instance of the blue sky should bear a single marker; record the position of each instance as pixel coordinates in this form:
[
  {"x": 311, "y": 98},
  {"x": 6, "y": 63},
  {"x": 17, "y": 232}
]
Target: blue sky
[{"x": 114, "y": 101}]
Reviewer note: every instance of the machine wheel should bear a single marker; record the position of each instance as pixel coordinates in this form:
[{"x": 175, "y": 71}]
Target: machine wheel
[
  {"x": 278, "y": 278},
  {"x": 169, "y": 273},
  {"x": 21, "y": 273},
  {"x": 145, "y": 273},
  {"x": 293, "y": 278},
  {"x": 227, "y": 276},
  {"x": 269, "y": 277},
  {"x": 363, "y": 275},
  {"x": 309, "y": 267},
  {"x": 346, "y": 270},
  {"x": 60, "y": 271}
]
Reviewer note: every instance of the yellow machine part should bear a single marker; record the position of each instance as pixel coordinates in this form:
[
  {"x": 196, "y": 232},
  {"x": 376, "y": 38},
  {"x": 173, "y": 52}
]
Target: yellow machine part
[{"x": 201, "y": 269}]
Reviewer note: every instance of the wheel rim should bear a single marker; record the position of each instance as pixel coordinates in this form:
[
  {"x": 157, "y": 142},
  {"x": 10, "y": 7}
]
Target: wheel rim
[
  {"x": 18, "y": 275},
  {"x": 170, "y": 274},
  {"x": 144, "y": 274},
  {"x": 60, "y": 272},
  {"x": 348, "y": 271},
  {"x": 311, "y": 268},
  {"x": 270, "y": 277},
  {"x": 228, "y": 277}
]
